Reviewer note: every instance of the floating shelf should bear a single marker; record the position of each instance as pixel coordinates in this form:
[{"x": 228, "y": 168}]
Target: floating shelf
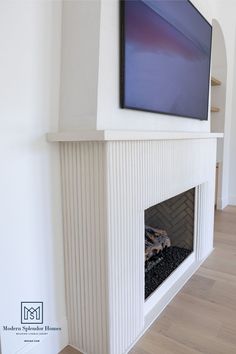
[
  {"x": 215, "y": 109},
  {"x": 215, "y": 82}
]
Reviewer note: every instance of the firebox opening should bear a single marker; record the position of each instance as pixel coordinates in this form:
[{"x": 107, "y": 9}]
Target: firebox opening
[{"x": 169, "y": 237}]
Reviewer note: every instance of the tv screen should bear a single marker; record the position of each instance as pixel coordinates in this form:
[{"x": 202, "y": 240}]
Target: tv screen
[{"x": 165, "y": 57}]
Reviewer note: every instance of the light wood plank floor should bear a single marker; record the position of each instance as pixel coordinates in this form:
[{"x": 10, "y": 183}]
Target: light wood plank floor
[
  {"x": 202, "y": 317},
  {"x": 69, "y": 350}
]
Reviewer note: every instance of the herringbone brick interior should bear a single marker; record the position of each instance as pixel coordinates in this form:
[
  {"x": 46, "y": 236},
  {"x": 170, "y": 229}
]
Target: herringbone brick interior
[{"x": 176, "y": 216}]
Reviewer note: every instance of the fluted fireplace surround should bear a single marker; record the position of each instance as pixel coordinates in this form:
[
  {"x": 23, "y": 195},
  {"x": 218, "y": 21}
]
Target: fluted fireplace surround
[{"x": 109, "y": 179}]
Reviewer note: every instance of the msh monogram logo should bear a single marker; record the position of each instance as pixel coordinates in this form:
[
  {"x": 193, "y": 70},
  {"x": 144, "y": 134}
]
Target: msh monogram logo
[{"x": 31, "y": 312}]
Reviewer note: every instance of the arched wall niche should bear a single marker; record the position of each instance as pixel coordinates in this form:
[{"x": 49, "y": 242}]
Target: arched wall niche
[{"x": 218, "y": 99}]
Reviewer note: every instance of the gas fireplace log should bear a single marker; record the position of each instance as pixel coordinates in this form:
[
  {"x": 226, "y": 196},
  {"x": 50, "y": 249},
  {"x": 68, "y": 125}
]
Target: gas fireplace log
[{"x": 155, "y": 241}]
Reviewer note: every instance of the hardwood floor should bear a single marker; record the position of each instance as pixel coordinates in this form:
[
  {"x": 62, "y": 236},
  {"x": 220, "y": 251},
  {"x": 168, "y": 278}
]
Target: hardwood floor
[
  {"x": 202, "y": 317},
  {"x": 69, "y": 350}
]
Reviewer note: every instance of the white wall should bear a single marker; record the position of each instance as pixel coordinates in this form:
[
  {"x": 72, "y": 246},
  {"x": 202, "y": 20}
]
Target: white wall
[
  {"x": 227, "y": 12},
  {"x": 80, "y": 55},
  {"x": 218, "y": 99},
  {"x": 218, "y": 93},
  {"x": 224, "y": 12},
  {"x": 232, "y": 159},
  {"x": 31, "y": 255}
]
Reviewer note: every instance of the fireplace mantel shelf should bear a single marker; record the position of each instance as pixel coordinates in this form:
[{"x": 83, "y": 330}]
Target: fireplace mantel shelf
[{"x": 116, "y": 135}]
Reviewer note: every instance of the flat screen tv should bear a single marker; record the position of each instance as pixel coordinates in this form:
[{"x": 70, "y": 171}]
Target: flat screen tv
[{"x": 165, "y": 58}]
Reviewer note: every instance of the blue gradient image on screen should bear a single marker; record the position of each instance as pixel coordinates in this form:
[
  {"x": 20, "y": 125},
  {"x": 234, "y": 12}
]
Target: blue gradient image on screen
[{"x": 167, "y": 49}]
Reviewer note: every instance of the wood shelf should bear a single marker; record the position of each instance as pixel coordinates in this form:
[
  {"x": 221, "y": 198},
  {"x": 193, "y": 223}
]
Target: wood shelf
[
  {"x": 215, "y": 109},
  {"x": 215, "y": 82}
]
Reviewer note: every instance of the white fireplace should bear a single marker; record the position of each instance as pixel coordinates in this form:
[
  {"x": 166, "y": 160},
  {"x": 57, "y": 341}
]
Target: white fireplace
[{"x": 109, "y": 178}]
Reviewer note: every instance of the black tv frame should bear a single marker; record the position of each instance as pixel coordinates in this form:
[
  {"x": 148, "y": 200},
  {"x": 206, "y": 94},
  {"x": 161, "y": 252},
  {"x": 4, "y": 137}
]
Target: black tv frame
[{"x": 122, "y": 67}]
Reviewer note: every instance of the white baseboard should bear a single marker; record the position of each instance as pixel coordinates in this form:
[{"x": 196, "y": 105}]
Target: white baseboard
[{"x": 222, "y": 203}]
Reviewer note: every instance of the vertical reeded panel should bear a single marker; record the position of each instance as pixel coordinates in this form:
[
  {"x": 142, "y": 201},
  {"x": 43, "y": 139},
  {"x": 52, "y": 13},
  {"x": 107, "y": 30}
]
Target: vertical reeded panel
[
  {"x": 85, "y": 240},
  {"x": 106, "y": 188},
  {"x": 126, "y": 254}
]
